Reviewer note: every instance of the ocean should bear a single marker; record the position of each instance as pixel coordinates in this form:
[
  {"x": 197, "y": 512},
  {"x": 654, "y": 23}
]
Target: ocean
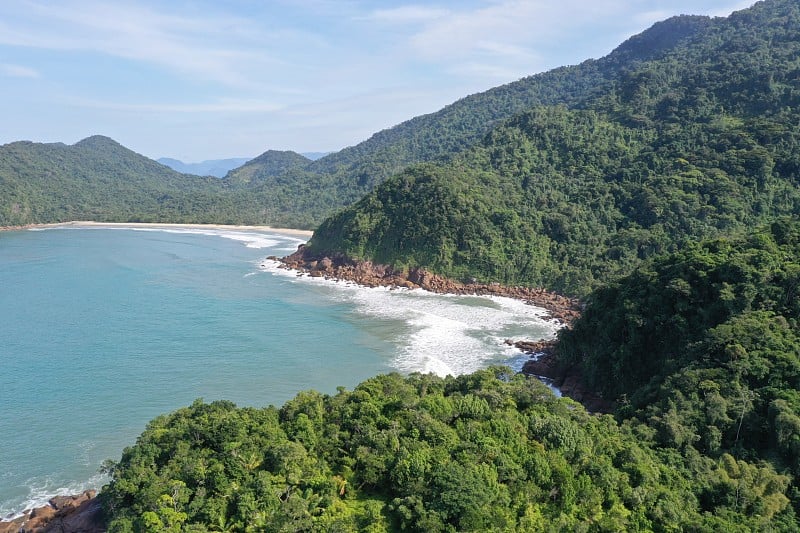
[{"x": 103, "y": 329}]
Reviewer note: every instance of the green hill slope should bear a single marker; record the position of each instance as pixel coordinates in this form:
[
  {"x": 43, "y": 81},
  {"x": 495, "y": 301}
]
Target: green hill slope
[
  {"x": 341, "y": 178},
  {"x": 99, "y": 179},
  {"x": 270, "y": 164},
  {"x": 703, "y": 346},
  {"x": 483, "y": 452},
  {"x": 701, "y": 141}
]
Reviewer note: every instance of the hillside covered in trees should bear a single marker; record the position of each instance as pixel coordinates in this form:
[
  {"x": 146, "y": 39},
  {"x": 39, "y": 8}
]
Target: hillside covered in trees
[
  {"x": 635, "y": 181},
  {"x": 701, "y": 141},
  {"x": 490, "y": 451},
  {"x": 703, "y": 346},
  {"x": 343, "y": 177},
  {"x": 285, "y": 188},
  {"x": 99, "y": 179}
]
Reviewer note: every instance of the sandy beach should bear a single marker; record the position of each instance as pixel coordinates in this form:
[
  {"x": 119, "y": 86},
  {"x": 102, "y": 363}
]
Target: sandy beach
[{"x": 89, "y": 224}]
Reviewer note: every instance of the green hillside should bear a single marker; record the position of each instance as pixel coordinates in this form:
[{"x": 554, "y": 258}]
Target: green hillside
[
  {"x": 490, "y": 451},
  {"x": 268, "y": 165},
  {"x": 342, "y": 178},
  {"x": 701, "y": 141},
  {"x": 703, "y": 346},
  {"x": 98, "y": 179}
]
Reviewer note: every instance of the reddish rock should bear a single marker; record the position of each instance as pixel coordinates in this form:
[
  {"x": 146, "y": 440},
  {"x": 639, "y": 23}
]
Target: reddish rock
[
  {"x": 559, "y": 307},
  {"x": 81, "y": 513},
  {"x": 85, "y": 518},
  {"x": 13, "y": 526},
  {"x": 370, "y": 274},
  {"x": 43, "y": 514}
]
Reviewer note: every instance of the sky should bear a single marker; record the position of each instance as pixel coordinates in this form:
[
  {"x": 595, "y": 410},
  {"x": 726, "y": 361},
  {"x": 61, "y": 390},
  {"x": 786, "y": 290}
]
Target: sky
[{"x": 212, "y": 79}]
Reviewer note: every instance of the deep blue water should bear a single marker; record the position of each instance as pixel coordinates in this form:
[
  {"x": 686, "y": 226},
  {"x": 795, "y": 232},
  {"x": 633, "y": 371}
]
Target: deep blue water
[{"x": 102, "y": 329}]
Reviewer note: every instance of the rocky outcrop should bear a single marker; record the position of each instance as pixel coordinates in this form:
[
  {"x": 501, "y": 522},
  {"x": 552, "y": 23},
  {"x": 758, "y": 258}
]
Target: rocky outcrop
[
  {"x": 80, "y": 513},
  {"x": 544, "y": 363},
  {"x": 370, "y": 274}
]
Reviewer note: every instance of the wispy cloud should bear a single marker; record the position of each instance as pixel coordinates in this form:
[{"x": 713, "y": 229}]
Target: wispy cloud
[
  {"x": 18, "y": 71},
  {"x": 213, "y": 76},
  {"x": 214, "y": 47},
  {"x": 408, "y": 14},
  {"x": 222, "y": 106}
]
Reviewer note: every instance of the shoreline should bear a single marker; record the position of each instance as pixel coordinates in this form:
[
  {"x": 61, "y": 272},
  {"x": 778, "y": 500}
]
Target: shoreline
[
  {"x": 542, "y": 363},
  {"x": 559, "y": 307},
  {"x": 79, "y": 512},
  {"x": 159, "y": 225}
]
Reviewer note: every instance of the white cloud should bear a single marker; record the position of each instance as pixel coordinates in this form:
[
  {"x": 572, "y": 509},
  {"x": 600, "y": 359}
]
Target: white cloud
[
  {"x": 214, "y": 47},
  {"x": 311, "y": 74},
  {"x": 408, "y": 14},
  {"x": 18, "y": 71},
  {"x": 222, "y": 106}
]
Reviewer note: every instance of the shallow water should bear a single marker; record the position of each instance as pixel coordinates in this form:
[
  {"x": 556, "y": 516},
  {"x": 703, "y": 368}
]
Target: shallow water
[{"x": 104, "y": 329}]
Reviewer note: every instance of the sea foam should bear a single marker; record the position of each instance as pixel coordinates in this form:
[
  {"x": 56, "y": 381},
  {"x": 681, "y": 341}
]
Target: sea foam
[
  {"x": 438, "y": 333},
  {"x": 42, "y": 490}
]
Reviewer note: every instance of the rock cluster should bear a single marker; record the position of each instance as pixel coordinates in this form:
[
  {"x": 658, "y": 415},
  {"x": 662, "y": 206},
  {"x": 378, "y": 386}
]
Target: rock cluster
[
  {"x": 80, "y": 513},
  {"x": 369, "y": 274},
  {"x": 543, "y": 362}
]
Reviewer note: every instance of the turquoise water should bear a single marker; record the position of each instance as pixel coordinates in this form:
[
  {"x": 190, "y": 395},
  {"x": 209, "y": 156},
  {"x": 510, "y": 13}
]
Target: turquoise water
[{"x": 103, "y": 329}]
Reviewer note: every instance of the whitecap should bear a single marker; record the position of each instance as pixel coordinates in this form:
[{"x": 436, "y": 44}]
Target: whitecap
[
  {"x": 438, "y": 333},
  {"x": 42, "y": 490}
]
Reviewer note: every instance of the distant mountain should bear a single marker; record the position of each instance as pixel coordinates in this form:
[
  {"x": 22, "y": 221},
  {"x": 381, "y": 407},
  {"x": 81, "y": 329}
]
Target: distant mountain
[
  {"x": 212, "y": 167},
  {"x": 695, "y": 138}
]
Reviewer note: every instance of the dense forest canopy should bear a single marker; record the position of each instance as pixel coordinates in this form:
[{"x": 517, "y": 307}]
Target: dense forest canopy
[
  {"x": 490, "y": 451},
  {"x": 284, "y": 188},
  {"x": 700, "y": 350},
  {"x": 660, "y": 183},
  {"x": 704, "y": 347},
  {"x": 701, "y": 142}
]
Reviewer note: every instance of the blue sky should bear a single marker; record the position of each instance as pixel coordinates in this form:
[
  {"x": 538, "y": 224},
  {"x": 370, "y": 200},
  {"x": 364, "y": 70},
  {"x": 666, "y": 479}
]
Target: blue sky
[{"x": 196, "y": 79}]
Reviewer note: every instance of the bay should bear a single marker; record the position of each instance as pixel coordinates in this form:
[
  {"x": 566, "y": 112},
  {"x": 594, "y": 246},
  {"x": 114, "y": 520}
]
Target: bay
[{"x": 103, "y": 329}]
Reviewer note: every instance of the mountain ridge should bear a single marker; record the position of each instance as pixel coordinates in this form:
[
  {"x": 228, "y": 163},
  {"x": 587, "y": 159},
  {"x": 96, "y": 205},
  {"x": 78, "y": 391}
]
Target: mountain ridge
[{"x": 694, "y": 145}]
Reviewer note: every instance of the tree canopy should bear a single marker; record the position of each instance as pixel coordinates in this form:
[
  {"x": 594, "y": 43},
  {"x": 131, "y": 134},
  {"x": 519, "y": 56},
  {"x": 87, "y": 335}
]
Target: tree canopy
[
  {"x": 489, "y": 451},
  {"x": 700, "y": 142}
]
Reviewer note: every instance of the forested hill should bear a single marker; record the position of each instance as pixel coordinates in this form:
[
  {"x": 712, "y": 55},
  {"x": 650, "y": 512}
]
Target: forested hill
[
  {"x": 267, "y": 165},
  {"x": 699, "y": 349},
  {"x": 703, "y": 140},
  {"x": 341, "y": 178},
  {"x": 99, "y": 179},
  {"x": 488, "y": 451},
  {"x": 703, "y": 346}
]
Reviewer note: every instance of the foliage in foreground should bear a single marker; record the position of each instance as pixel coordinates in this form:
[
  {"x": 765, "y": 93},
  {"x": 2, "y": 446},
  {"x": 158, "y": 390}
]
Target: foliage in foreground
[
  {"x": 490, "y": 451},
  {"x": 704, "y": 347}
]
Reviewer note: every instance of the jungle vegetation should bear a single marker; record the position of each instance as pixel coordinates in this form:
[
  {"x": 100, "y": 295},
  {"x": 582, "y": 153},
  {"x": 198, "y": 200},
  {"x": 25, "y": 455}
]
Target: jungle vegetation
[{"x": 699, "y": 143}]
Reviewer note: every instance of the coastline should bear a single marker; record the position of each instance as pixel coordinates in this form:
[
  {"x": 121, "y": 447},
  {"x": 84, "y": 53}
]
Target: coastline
[
  {"x": 559, "y": 307},
  {"x": 159, "y": 225},
  {"x": 79, "y": 512},
  {"x": 542, "y": 363}
]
